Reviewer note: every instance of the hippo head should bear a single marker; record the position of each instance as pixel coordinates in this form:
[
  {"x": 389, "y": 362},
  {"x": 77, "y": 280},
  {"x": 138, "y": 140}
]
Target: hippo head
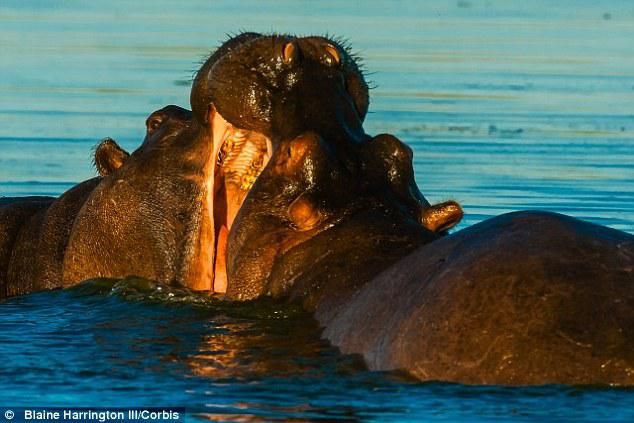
[
  {"x": 310, "y": 225},
  {"x": 281, "y": 86},
  {"x": 330, "y": 194},
  {"x": 151, "y": 215},
  {"x": 167, "y": 211}
]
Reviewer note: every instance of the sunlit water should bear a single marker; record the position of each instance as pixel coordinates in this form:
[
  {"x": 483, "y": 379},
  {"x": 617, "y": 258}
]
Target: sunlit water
[{"x": 508, "y": 105}]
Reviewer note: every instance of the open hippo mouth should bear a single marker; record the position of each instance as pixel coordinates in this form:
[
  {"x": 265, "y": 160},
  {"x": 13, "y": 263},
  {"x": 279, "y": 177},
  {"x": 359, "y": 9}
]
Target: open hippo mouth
[
  {"x": 258, "y": 91},
  {"x": 239, "y": 156},
  {"x": 271, "y": 163},
  {"x": 242, "y": 95}
]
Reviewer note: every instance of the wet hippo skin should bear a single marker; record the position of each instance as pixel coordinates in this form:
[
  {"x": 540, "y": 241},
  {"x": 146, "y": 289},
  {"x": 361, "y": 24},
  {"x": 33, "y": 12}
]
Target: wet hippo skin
[
  {"x": 100, "y": 226},
  {"x": 14, "y": 213},
  {"x": 38, "y": 251},
  {"x": 526, "y": 298},
  {"x": 522, "y": 298},
  {"x": 309, "y": 228}
]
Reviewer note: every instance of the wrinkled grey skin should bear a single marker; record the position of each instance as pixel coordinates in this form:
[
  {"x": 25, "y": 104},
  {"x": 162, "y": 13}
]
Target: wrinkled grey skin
[{"x": 145, "y": 218}]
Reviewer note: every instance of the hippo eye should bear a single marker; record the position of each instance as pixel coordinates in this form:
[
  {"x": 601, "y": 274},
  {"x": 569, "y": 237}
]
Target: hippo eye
[{"x": 154, "y": 123}]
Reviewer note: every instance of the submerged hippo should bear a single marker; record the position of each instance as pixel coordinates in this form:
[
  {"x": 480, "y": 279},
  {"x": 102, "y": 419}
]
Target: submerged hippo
[{"x": 523, "y": 298}]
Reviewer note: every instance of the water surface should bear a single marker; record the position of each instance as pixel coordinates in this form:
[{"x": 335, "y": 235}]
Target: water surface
[{"x": 508, "y": 105}]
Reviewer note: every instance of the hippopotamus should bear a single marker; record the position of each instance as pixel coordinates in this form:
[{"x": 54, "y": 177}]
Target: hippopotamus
[
  {"x": 334, "y": 221},
  {"x": 274, "y": 88},
  {"x": 110, "y": 225},
  {"x": 523, "y": 298},
  {"x": 271, "y": 187},
  {"x": 165, "y": 211},
  {"x": 34, "y": 231}
]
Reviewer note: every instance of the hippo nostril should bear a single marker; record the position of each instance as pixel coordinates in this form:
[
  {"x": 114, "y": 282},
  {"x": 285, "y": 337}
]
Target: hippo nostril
[
  {"x": 332, "y": 57},
  {"x": 291, "y": 53}
]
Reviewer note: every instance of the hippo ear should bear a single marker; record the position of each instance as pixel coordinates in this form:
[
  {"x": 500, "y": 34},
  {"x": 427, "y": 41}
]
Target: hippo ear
[
  {"x": 290, "y": 53},
  {"x": 441, "y": 217},
  {"x": 109, "y": 156},
  {"x": 332, "y": 57}
]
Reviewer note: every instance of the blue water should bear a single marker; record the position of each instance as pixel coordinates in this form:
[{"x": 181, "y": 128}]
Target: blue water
[
  {"x": 249, "y": 363},
  {"x": 508, "y": 105}
]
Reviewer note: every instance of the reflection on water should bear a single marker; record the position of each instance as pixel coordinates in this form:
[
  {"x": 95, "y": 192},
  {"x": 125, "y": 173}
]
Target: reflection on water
[
  {"x": 507, "y": 104},
  {"x": 140, "y": 344},
  {"x": 242, "y": 341}
]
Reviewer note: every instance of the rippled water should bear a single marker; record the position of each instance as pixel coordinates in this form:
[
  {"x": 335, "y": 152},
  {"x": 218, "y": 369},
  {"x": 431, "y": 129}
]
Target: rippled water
[{"x": 508, "y": 105}]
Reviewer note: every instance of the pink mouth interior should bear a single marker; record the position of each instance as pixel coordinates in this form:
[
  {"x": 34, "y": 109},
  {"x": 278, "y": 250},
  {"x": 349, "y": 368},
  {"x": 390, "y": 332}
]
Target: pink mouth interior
[{"x": 238, "y": 157}]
